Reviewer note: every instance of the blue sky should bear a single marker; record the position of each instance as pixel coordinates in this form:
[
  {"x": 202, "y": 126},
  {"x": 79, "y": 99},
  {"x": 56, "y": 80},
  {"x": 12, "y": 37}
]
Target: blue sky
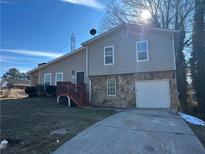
[{"x": 36, "y": 31}]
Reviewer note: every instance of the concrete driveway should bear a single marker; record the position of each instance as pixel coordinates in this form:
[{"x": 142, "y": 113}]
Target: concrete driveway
[{"x": 137, "y": 131}]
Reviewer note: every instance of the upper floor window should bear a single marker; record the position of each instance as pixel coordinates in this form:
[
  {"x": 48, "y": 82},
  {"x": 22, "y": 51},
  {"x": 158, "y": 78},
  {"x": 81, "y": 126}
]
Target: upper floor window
[
  {"x": 47, "y": 79},
  {"x": 59, "y": 77},
  {"x": 142, "y": 51},
  {"x": 111, "y": 87},
  {"x": 109, "y": 55}
]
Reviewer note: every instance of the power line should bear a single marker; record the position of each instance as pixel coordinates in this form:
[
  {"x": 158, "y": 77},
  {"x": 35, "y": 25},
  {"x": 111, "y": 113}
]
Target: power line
[{"x": 93, "y": 20}]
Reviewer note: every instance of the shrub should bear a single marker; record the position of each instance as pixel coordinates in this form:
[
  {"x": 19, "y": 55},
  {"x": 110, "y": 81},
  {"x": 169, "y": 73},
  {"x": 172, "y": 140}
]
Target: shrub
[
  {"x": 10, "y": 85},
  {"x": 31, "y": 91},
  {"x": 41, "y": 90},
  {"x": 51, "y": 90},
  {"x": 13, "y": 93}
]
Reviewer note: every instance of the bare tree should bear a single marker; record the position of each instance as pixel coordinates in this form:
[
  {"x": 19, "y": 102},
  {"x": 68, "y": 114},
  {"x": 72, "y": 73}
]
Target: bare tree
[{"x": 169, "y": 14}]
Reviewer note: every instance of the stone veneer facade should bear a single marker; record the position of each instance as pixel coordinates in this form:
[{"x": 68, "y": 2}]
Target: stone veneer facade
[{"x": 125, "y": 88}]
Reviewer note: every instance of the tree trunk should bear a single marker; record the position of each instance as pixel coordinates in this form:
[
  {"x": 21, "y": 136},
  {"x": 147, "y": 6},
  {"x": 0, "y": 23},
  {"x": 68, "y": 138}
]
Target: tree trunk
[{"x": 181, "y": 71}]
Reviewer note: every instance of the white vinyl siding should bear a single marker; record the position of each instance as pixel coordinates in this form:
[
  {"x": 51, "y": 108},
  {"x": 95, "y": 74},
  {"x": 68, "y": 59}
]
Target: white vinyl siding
[
  {"x": 142, "y": 52},
  {"x": 47, "y": 79},
  {"x": 58, "y": 77},
  {"x": 111, "y": 87},
  {"x": 109, "y": 55},
  {"x": 124, "y": 34}
]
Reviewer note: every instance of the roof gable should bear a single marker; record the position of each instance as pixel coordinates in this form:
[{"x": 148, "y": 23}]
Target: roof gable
[
  {"x": 57, "y": 59},
  {"x": 109, "y": 32},
  {"x": 128, "y": 27}
]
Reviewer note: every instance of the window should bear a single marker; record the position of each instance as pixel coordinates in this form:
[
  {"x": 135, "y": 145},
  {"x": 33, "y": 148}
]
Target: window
[
  {"x": 111, "y": 87},
  {"x": 142, "y": 51},
  {"x": 59, "y": 77},
  {"x": 109, "y": 55},
  {"x": 47, "y": 79}
]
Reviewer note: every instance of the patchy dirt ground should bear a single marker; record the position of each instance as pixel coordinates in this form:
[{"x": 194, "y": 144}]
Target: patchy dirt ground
[
  {"x": 12, "y": 94},
  {"x": 29, "y": 124}
]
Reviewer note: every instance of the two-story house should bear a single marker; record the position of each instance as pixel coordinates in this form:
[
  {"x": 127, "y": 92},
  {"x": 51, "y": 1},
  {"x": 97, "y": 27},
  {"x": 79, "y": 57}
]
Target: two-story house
[{"x": 130, "y": 65}]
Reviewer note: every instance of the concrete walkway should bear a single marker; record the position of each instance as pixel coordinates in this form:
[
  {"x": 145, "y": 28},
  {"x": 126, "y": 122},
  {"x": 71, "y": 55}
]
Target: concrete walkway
[{"x": 137, "y": 131}]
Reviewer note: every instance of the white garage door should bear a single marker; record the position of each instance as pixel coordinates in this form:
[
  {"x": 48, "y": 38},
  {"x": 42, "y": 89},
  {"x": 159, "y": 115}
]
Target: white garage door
[{"x": 152, "y": 94}]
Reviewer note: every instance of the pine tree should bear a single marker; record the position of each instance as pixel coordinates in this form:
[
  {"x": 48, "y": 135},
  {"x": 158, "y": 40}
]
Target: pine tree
[
  {"x": 197, "y": 60},
  {"x": 14, "y": 73}
]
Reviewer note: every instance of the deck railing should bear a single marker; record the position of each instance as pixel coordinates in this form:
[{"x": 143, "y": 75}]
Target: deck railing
[{"x": 76, "y": 92}]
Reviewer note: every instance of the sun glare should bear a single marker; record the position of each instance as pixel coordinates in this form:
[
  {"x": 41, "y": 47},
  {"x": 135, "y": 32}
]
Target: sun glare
[{"x": 145, "y": 15}]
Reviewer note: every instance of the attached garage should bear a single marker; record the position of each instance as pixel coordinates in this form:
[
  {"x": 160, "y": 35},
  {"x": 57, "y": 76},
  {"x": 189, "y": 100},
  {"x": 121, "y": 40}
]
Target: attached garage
[{"x": 152, "y": 94}]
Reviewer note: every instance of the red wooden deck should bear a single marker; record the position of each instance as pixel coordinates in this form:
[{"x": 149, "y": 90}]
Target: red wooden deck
[{"x": 75, "y": 92}]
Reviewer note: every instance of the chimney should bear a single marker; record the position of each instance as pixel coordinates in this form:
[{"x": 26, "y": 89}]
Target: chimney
[
  {"x": 40, "y": 64},
  {"x": 72, "y": 40}
]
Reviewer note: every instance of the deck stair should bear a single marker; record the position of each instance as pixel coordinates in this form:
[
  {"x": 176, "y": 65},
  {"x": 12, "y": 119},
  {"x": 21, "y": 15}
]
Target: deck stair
[{"x": 76, "y": 92}]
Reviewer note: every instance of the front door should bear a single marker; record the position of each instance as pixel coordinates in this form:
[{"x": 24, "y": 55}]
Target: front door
[{"x": 80, "y": 78}]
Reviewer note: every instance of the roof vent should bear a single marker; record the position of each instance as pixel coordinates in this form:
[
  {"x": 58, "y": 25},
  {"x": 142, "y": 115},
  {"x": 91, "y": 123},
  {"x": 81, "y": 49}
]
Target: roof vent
[{"x": 124, "y": 34}]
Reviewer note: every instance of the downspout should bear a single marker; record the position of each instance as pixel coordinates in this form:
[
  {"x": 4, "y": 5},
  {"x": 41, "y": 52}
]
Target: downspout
[
  {"x": 86, "y": 60},
  {"x": 174, "y": 55},
  {"x": 87, "y": 71}
]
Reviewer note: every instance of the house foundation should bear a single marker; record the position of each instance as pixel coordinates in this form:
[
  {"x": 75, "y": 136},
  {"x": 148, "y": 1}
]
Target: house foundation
[{"x": 125, "y": 88}]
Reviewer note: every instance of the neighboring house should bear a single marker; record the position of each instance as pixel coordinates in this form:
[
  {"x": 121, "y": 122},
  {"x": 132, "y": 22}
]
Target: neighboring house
[
  {"x": 14, "y": 83},
  {"x": 130, "y": 65}
]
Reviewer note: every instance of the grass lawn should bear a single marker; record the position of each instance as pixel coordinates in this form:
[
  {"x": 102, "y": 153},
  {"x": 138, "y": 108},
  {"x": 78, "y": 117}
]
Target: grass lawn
[{"x": 27, "y": 123}]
